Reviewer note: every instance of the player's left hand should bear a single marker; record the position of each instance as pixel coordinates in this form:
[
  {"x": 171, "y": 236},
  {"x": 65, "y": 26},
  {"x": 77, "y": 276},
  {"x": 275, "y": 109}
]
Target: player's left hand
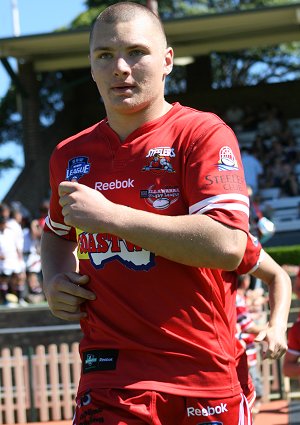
[
  {"x": 85, "y": 208},
  {"x": 273, "y": 340}
]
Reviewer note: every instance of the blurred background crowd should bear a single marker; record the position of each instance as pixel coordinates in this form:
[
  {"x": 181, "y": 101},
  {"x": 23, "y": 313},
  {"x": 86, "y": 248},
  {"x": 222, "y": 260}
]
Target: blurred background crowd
[
  {"x": 270, "y": 148},
  {"x": 20, "y": 261}
]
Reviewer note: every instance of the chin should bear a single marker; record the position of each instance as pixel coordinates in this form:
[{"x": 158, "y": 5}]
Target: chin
[{"x": 129, "y": 107}]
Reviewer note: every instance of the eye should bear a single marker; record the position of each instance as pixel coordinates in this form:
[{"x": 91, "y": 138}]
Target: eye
[
  {"x": 103, "y": 55},
  {"x": 136, "y": 52}
]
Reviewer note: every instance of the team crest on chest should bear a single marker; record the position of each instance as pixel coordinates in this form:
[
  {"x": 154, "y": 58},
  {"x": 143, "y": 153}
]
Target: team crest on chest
[
  {"x": 160, "y": 198},
  {"x": 159, "y": 159},
  {"x": 77, "y": 168}
]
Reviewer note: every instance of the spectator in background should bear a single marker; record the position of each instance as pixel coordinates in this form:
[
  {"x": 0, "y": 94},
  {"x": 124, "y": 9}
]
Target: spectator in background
[
  {"x": 4, "y": 210},
  {"x": 9, "y": 258},
  {"x": 18, "y": 278},
  {"x": 287, "y": 138},
  {"x": 270, "y": 120},
  {"x": 274, "y": 173},
  {"x": 291, "y": 363},
  {"x": 255, "y": 212},
  {"x": 289, "y": 182},
  {"x": 260, "y": 226},
  {"x": 252, "y": 168},
  {"x": 260, "y": 148},
  {"x": 270, "y": 126},
  {"x": 234, "y": 116},
  {"x": 276, "y": 150},
  {"x": 43, "y": 212},
  {"x": 247, "y": 331},
  {"x": 250, "y": 120},
  {"x": 32, "y": 257}
]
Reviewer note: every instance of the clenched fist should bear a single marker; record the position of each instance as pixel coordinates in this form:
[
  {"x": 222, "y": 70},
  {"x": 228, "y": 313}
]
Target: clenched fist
[{"x": 85, "y": 208}]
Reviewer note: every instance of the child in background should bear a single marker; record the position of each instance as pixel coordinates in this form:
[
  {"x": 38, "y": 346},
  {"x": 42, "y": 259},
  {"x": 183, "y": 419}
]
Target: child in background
[{"x": 247, "y": 330}]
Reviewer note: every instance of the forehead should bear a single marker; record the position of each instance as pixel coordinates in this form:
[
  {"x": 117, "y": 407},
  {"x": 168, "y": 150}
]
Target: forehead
[{"x": 140, "y": 30}]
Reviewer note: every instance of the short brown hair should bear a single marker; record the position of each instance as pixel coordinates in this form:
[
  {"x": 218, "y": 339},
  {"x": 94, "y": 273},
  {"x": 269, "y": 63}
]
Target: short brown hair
[{"x": 125, "y": 12}]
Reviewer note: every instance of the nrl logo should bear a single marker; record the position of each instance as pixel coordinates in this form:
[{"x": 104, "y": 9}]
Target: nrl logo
[{"x": 77, "y": 167}]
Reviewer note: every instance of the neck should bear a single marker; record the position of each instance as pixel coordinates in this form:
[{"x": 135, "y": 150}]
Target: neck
[{"x": 125, "y": 124}]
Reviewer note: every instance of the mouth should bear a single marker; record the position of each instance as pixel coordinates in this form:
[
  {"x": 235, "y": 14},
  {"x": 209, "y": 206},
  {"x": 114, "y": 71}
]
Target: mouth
[{"x": 122, "y": 88}]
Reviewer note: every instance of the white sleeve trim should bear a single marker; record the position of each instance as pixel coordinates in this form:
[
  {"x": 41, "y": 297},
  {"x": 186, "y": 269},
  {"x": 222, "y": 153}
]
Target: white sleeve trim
[
  {"x": 260, "y": 259},
  {"x": 221, "y": 206},
  {"x": 214, "y": 203},
  {"x": 58, "y": 228}
]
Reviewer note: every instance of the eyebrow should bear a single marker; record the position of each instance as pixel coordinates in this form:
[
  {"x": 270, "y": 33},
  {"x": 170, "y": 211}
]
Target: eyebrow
[
  {"x": 130, "y": 47},
  {"x": 96, "y": 49}
]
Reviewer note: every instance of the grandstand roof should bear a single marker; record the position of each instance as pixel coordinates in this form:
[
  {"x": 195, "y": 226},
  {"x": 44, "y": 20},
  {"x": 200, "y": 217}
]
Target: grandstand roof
[{"x": 192, "y": 36}]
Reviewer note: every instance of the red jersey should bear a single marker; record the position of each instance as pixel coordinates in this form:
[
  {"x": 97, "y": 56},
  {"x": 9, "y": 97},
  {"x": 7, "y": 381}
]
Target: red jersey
[
  {"x": 155, "y": 324},
  {"x": 294, "y": 338}
]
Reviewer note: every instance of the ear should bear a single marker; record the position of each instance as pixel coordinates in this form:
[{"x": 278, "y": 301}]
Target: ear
[{"x": 168, "y": 60}]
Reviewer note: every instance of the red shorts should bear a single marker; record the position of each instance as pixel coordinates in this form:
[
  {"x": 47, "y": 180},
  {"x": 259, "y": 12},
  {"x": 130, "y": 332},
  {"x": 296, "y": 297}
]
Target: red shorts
[
  {"x": 249, "y": 393},
  {"x": 138, "y": 407}
]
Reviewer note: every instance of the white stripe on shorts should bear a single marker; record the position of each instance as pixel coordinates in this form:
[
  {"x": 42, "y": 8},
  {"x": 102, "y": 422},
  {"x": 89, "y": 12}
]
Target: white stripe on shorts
[{"x": 244, "y": 407}]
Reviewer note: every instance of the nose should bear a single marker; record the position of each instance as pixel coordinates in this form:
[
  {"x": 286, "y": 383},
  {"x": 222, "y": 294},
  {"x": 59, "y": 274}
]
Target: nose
[{"x": 121, "y": 66}]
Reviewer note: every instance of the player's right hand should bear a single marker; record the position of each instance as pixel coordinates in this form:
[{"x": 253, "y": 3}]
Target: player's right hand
[{"x": 65, "y": 295}]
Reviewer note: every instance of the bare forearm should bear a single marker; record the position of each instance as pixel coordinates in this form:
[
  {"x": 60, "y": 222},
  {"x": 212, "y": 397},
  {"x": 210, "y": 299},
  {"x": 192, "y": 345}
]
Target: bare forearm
[
  {"x": 280, "y": 291},
  {"x": 279, "y": 301},
  {"x": 57, "y": 255},
  {"x": 195, "y": 240}
]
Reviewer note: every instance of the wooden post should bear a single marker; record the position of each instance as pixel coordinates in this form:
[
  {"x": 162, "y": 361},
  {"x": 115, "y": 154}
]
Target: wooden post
[
  {"x": 40, "y": 383},
  {"x": 7, "y": 384},
  {"x": 20, "y": 385},
  {"x": 66, "y": 381},
  {"x": 54, "y": 383}
]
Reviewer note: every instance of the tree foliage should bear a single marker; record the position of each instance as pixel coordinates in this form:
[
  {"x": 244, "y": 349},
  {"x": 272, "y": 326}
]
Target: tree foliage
[
  {"x": 10, "y": 123},
  {"x": 256, "y": 66},
  {"x": 6, "y": 164},
  {"x": 180, "y": 8}
]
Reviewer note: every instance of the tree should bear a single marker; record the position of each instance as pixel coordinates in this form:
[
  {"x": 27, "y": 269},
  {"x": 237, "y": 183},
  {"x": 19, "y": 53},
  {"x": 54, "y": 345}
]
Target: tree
[
  {"x": 6, "y": 164},
  {"x": 10, "y": 127},
  {"x": 256, "y": 66}
]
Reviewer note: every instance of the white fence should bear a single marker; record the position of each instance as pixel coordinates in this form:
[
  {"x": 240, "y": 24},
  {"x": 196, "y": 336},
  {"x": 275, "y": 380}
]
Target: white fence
[{"x": 40, "y": 386}]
